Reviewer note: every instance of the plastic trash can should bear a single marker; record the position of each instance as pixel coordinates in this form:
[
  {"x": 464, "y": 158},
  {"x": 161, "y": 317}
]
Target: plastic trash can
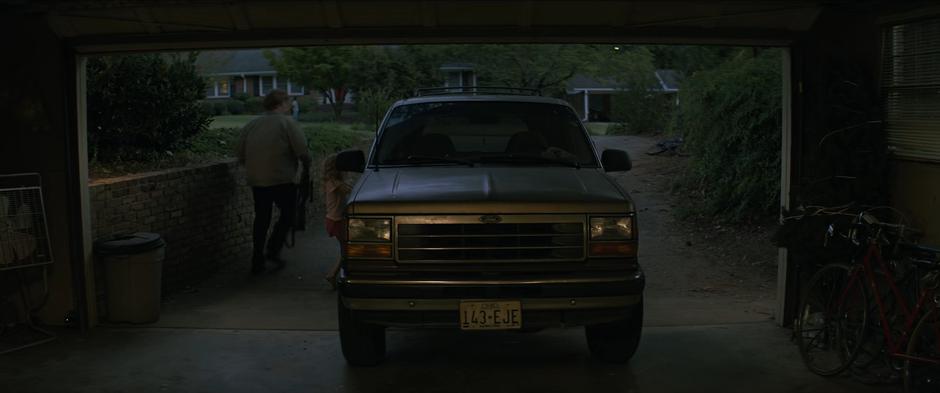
[{"x": 133, "y": 267}]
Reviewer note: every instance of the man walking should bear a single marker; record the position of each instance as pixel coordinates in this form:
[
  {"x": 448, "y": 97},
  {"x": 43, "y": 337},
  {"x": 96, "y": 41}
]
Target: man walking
[{"x": 270, "y": 148}]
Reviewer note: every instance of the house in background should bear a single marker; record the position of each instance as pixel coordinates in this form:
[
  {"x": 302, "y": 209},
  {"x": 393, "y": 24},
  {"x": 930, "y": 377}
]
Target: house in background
[
  {"x": 592, "y": 98},
  {"x": 247, "y": 71},
  {"x": 458, "y": 75}
]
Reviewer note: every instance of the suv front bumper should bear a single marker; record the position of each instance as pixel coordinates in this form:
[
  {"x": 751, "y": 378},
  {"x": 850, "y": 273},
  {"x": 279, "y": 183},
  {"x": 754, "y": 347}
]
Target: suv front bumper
[{"x": 545, "y": 301}]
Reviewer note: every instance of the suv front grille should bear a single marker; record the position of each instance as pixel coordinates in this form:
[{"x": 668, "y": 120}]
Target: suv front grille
[{"x": 466, "y": 239}]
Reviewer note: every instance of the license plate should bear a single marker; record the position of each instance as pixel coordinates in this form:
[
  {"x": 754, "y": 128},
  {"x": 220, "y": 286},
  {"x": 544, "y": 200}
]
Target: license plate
[{"x": 490, "y": 315}]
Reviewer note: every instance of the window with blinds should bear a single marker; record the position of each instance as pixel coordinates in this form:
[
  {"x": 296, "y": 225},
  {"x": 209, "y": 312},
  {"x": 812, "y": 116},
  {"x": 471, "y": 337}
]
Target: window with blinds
[{"x": 911, "y": 86}]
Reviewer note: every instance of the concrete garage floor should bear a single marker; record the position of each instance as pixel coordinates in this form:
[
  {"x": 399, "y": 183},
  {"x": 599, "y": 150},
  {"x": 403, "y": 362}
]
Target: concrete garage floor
[
  {"x": 752, "y": 357},
  {"x": 277, "y": 333}
]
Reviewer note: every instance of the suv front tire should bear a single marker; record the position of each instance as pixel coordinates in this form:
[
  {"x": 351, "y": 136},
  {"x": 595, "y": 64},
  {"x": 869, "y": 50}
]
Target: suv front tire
[
  {"x": 363, "y": 343},
  {"x": 616, "y": 342}
]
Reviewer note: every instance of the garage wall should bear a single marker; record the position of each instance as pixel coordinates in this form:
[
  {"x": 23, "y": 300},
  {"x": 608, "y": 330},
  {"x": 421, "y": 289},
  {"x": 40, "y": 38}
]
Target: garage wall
[
  {"x": 838, "y": 137},
  {"x": 915, "y": 188},
  {"x": 204, "y": 213},
  {"x": 34, "y": 107}
]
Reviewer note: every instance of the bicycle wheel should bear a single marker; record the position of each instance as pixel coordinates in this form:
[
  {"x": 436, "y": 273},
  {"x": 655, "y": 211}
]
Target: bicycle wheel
[
  {"x": 832, "y": 320},
  {"x": 923, "y": 374}
]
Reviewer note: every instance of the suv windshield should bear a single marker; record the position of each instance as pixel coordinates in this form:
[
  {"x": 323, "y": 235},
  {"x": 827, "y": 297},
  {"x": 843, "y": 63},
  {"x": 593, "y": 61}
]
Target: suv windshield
[{"x": 507, "y": 133}]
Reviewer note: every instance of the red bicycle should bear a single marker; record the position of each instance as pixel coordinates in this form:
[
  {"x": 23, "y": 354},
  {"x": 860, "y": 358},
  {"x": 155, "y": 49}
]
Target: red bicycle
[{"x": 875, "y": 302}]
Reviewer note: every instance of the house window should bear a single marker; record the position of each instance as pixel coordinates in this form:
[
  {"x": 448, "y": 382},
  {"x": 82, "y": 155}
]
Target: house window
[
  {"x": 218, "y": 88},
  {"x": 294, "y": 90},
  {"x": 911, "y": 85},
  {"x": 453, "y": 79},
  {"x": 267, "y": 84}
]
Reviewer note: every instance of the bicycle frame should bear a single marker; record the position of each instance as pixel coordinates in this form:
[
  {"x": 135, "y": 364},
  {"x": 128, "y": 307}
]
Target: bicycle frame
[{"x": 865, "y": 271}]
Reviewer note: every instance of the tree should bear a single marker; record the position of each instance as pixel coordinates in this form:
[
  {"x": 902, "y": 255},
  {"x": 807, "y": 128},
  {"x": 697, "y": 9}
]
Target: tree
[
  {"x": 638, "y": 106},
  {"x": 689, "y": 59},
  {"x": 730, "y": 117},
  {"x": 328, "y": 69},
  {"x": 140, "y": 104},
  {"x": 544, "y": 67}
]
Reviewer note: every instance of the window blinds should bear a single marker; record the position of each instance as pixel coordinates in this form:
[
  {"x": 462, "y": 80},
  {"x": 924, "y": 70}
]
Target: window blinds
[{"x": 911, "y": 86}]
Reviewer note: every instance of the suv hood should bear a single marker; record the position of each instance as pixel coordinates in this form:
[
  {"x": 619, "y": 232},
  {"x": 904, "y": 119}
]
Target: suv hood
[{"x": 448, "y": 189}]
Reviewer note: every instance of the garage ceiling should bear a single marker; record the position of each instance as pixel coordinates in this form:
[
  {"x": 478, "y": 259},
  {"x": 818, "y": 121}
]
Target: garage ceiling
[{"x": 105, "y": 26}]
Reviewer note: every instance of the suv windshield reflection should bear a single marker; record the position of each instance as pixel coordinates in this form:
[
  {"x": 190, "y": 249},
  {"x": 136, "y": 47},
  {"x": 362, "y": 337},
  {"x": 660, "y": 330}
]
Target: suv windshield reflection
[{"x": 505, "y": 133}]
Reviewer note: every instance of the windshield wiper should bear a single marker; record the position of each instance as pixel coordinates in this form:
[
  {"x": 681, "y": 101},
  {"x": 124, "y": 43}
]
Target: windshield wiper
[
  {"x": 429, "y": 160},
  {"x": 530, "y": 158}
]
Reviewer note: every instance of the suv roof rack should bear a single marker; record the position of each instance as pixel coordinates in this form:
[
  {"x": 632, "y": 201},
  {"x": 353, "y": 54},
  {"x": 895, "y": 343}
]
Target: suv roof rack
[{"x": 475, "y": 90}]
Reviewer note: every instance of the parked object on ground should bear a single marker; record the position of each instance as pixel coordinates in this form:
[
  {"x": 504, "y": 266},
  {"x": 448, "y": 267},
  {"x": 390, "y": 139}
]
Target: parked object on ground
[
  {"x": 672, "y": 147},
  {"x": 133, "y": 266},
  {"x": 24, "y": 246},
  {"x": 488, "y": 210}
]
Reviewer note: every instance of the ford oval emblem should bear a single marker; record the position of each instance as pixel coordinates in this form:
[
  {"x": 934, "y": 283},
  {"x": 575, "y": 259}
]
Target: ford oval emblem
[{"x": 491, "y": 219}]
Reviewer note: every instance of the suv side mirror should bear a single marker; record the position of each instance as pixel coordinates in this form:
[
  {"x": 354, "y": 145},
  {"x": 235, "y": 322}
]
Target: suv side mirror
[
  {"x": 351, "y": 161},
  {"x": 615, "y": 160}
]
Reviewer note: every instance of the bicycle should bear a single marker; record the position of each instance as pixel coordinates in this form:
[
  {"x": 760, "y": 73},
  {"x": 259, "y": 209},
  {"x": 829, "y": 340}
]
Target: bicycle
[{"x": 834, "y": 316}]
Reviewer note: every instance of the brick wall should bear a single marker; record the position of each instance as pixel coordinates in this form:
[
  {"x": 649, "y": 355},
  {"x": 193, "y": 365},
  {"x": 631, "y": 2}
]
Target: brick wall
[{"x": 204, "y": 214}]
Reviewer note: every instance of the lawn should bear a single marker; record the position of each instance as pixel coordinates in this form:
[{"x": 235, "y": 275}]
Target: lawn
[{"x": 597, "y": 128}]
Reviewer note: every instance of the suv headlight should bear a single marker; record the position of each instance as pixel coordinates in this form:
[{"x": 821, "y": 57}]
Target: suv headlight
[
  {"x": 370, "y": 229},
  {"x": 612, "y": 228}
]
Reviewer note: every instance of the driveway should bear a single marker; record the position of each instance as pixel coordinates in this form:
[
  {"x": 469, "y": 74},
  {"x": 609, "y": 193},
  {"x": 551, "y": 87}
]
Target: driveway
[{"x": 703, "y": 332}]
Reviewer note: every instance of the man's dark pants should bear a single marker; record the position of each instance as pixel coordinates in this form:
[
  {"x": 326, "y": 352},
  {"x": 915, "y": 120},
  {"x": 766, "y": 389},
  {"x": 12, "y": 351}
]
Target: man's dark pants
[{"x": 283, "y": 196}]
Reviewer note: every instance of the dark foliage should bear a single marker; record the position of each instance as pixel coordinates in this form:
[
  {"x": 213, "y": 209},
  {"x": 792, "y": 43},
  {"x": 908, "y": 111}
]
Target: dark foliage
[
  {"x": 143, "y": 104},
  {"x": 731, "y": 117}
]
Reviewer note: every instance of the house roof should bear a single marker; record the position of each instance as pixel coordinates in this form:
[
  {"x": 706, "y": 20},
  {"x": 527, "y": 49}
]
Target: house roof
[
  {"x": 234, "y": 62},
  {"x": 456, "y": 67},
  {"x": 668, "y": 79},
  {"x": 668, "y": 82}
]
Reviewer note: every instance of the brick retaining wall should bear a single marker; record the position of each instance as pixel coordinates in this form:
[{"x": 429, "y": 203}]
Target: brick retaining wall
[{"x": 204, "y": 214}]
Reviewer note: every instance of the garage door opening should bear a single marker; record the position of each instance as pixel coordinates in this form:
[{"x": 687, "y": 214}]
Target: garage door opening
[{"x": 705, "y": 181}]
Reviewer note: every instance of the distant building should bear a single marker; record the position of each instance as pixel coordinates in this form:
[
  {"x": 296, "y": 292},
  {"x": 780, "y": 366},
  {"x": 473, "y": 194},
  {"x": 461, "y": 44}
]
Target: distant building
[
  {"x": 458, "y": 75},
  {"x": 591, "y": 97},
  {"x": 246, "y": 71}
]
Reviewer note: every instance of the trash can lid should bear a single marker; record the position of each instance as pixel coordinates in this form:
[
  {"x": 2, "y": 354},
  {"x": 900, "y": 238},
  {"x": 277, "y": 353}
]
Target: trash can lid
[{"x": 128, "y": 243}]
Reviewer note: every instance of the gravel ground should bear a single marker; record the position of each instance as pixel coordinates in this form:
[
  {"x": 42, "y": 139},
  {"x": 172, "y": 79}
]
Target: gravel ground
[{"x": 688, "y": 260}]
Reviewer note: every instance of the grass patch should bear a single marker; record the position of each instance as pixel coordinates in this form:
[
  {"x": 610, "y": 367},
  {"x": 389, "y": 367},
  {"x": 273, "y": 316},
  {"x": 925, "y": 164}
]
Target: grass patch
[{"x": 597, "y": 128}]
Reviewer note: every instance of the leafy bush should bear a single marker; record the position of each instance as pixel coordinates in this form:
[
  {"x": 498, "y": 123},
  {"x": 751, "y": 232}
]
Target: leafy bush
[
  {"x": 328, "y": 138},
  {"x": 140, "y": 104},
  {"x": 236, "y": 107},
  {"x": 640, "y": 113},
  {"x": 348, "y": 117},
  {"x": 254, "y": 105},
  {"x": 731, "y": 117},
  {"x": 219, "y": 108}
]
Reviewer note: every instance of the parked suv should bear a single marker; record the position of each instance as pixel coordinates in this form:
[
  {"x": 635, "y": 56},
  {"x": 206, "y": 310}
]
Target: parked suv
[{"x": 488, "y": 211}]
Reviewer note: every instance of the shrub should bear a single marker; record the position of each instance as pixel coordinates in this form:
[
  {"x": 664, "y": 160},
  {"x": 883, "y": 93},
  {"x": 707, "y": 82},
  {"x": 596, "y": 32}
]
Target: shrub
[
  {"x": 328, "y": 138},
  {"x": 236, "y": 107},
  {"x": 254, "y": 105},
  {"x": 143, "y": 104},
  {"x": 640, "y": 113},
  {"x": 220, "y": 108},
  {"x": 731, "y": 117}
]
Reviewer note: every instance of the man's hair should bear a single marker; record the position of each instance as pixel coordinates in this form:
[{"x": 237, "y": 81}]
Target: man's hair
[{"x": 274, "y": 99}]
